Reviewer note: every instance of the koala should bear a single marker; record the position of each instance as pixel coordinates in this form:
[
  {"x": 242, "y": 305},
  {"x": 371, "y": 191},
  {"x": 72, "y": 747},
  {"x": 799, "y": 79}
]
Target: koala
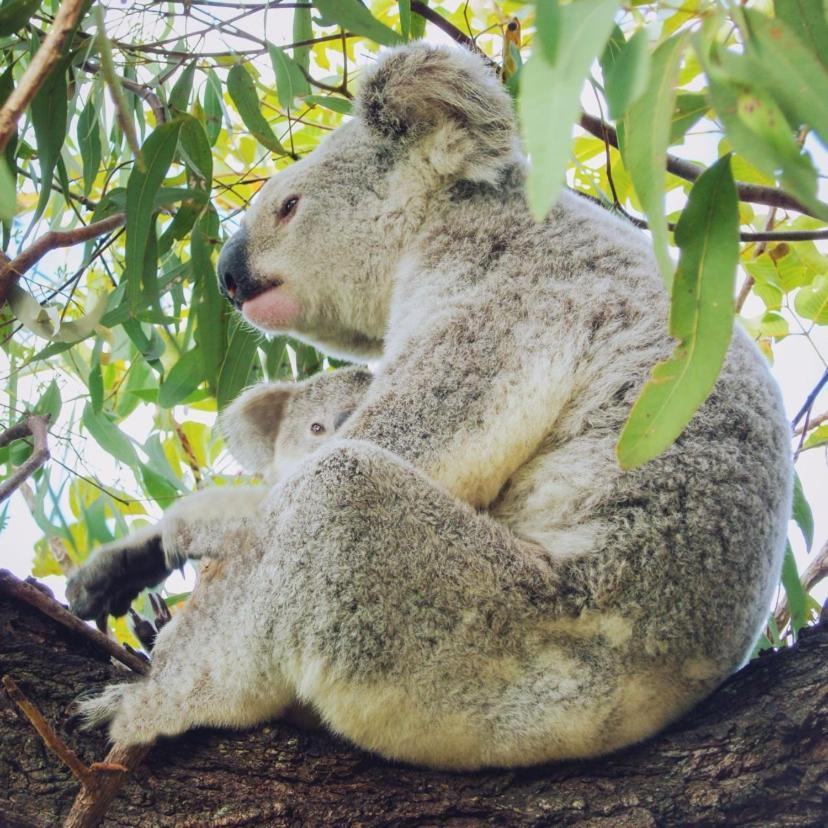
[
  {"x": 269, "y": 429},
  {"x": 463, "y": 576}
]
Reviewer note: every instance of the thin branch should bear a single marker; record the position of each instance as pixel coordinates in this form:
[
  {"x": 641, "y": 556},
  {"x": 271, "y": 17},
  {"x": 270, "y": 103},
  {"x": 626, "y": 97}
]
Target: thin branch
[
  {"x": 36, "y": 426},
  {"x": 809, "y": 400},
  {"x": 813, "y": 422},
  {"x": 69, "y": 758},
  {"x": 14, "y": 587},
  {"x": 38, "y": 69},
  {"x": 690, "y": 172},
  {"x": 142, "y": 90},
  {"x": 92, "y": 802},
  {"x": 443, "y": 25},
  {"x": 13, "y": 270}
]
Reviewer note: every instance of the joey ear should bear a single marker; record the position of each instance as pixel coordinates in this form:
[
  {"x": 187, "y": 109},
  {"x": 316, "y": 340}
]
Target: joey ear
[
  {"x": 251, "y": 422},
  {"x": 450, "y": 101}
]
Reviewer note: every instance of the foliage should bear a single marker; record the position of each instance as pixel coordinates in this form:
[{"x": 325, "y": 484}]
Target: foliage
[{"x": 174, "y": 115}]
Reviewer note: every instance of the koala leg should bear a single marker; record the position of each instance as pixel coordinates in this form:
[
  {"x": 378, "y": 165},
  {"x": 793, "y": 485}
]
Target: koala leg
[
  {"x": 209, "y": 523},
  {"x": 417, "y": 627},
  {"x": 209, "y": 668}
]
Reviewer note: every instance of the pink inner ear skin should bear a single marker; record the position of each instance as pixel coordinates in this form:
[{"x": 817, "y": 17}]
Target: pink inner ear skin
[{"x": 273, "y": 310}]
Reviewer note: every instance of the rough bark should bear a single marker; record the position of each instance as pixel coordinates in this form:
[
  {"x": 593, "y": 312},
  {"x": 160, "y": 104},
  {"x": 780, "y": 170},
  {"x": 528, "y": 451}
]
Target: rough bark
[{"x": 756, "y": 753}]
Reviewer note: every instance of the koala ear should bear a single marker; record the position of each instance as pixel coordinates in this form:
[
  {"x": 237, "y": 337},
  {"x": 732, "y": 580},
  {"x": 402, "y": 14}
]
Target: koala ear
[
  {"x": 447, "y": 99},
  {"x": 251, "y": 422}
]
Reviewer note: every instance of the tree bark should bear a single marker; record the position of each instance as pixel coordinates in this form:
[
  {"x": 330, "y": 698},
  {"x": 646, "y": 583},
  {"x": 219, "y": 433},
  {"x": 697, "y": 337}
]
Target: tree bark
[{"x": 756, "y": 753}]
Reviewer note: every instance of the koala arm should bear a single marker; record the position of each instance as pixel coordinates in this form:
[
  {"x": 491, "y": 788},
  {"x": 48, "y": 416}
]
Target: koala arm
[
  {"x": 466, "y": 418},
  {"x": 205, "y": 524}
]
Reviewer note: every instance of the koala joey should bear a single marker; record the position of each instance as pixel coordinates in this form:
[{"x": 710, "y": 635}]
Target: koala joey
[
  {"x": 269, "y": 429},
  {"x": 463, "y": 576}
]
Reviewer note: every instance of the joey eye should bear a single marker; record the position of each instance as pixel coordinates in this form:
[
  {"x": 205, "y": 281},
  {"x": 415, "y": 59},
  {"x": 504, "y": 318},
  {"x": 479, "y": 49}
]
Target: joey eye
[
  {"x": 317, "y": 428},
  {"x": 288, "y": 207}
]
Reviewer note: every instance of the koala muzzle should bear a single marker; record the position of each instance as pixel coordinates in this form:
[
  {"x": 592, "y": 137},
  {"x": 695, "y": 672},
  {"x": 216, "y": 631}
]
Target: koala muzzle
[{"x": 235, "y": 280}]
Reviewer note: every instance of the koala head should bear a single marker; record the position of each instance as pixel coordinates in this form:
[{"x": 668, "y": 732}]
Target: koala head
[
  {"x": 318, "y": 249},
  {"x": 272, "y": 427}
]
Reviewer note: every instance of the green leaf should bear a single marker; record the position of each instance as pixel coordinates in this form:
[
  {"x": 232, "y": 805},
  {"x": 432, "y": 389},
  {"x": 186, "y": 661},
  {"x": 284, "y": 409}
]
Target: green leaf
[
  {"x": 549, "y": 99},
  {"x": 418, "y": 24},
  {"x": 89, "y": 141},
  {"x": 49, "y": 114},
  {"x": 818, "y": 437},
  {"x": 626, "y": 78},
  {"x": 213, "y": 109},
  {"x": 142, "y": 187},
  {"x": 798, "y": 81},
  {"x": 802, "y": 514},
  {"x": 794, "y": 591},
  {"x": 95, "y": 382},
  {"x": 184, "y": 377},
  {"x": 8, "y": 192},
  {"x": 159, "y": 489},
  {"x": 405, "y": 18},
  {"x": 701, "y": 319},
  {"x": 211, "y": 310},
  {"x": 109, "y": 437},
  {"x": 811, "y": 301},
  {"x": 806, "y": 19},
  {"x": 195, "y": 149},
  {"x": 353, "y": 16},
  {"x": 243, "y": 92},
  {"x": 290, "y": 82},
  {"x": 690, "y": 109},
  {"x": 14, "y": 14},
  {"x": 180, "y": 95},
  {"x": 341, "y": 105},
  {"x": 238, "y": 362},
  {"x": 548, "y": 28},
  {"x": 646, "y": 136},
  {"x": 50, "y": 402},
  {"x": 46, "y": 322},
  {"x": 302, "y": 30}
]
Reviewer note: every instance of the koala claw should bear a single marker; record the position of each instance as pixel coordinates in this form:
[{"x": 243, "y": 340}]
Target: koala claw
[{"x": 147, "y": 631}]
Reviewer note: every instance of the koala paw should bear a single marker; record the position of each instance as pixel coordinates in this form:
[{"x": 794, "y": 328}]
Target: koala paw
[
  {"x": 147, "y": 631},
  {"x": 115, "y": 575}
]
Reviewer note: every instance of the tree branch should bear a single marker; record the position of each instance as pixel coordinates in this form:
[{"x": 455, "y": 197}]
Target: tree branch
[
  {"x": 810, "y": 400},
  {"x": 33, "y": 425},
  {"x": 10, "y": 272},
  {"x": 21, "y": 591},
  {"x": 813, "y": 422},
  {"x": 38, "y": 69}
]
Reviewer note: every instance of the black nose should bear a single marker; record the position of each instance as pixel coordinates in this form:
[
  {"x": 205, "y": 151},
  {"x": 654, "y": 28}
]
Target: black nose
[{"x": 233, "y": 272}]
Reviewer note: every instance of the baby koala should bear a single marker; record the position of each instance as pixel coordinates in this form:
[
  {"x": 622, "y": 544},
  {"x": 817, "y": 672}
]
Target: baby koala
[{"x": 270, "y": 429}]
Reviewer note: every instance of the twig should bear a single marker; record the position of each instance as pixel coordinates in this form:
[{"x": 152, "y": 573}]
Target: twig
[
  {"x": 39, "y": 67},
  {"x": 15, "y": 588},
  {"x": 69, "y": 758},
  {"x": 813, "y": 422},
  {"x": 809, "y": 400},
  {"x": 91, "y": 803},
  {"x": 141, "y": 90},
  {"x": 13, "y": 270},
  {"x": 443, "y": 25},
  {"x": 36, "y": 426}
]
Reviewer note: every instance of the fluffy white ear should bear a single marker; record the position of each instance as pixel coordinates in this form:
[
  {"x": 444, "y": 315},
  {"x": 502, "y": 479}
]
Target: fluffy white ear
[
  {"x": 446, "y": 102},
  {"x": 251, "y": 422}
]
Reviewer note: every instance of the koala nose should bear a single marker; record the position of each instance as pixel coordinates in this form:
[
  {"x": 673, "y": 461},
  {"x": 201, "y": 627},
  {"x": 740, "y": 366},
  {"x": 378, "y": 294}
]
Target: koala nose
[{"x": 233, "y": 273}]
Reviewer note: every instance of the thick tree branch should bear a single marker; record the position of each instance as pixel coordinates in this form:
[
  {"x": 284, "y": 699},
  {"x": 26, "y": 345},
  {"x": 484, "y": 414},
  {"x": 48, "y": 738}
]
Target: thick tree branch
[
  {"x": 751, "y": 755},
  {"x": 38, "y": 69},
  {"x": 14, "y": 588},
  {"x": 10, "y": 272},
  {"x": 33, "y": 425}
]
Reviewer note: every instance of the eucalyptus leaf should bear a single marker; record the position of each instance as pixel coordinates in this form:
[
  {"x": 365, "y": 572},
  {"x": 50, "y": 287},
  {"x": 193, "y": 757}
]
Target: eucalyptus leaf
[
  {"x": 242, "y": 90},
  {"x": 549, "y": 99},
  {"x": 354, "y": 17},
  {"x": 238, "y": 362},
  {"x": 290, "y": 82},
  {"x": 701, "y": 319},
  {"x": 802, "y": 514}
]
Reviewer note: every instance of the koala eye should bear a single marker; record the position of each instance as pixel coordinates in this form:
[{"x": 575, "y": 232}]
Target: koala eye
[
  {"x": 317, "y": 428},
  {"x": 288, "y": 207}
]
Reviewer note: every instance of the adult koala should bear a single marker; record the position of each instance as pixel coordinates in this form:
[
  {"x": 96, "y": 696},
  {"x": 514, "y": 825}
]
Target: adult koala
[{"x": 373, "y": 585}]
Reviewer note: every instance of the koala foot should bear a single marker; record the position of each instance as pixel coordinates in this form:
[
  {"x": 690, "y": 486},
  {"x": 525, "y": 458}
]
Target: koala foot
[
  {"x": 124, "y": 708},
  {"x": 115, "y": 575},
  {"x": 147, "y": 631}
]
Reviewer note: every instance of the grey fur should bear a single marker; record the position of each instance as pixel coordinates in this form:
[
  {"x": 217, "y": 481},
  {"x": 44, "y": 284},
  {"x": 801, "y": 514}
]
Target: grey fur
[{"x": 464, "y": 576}]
